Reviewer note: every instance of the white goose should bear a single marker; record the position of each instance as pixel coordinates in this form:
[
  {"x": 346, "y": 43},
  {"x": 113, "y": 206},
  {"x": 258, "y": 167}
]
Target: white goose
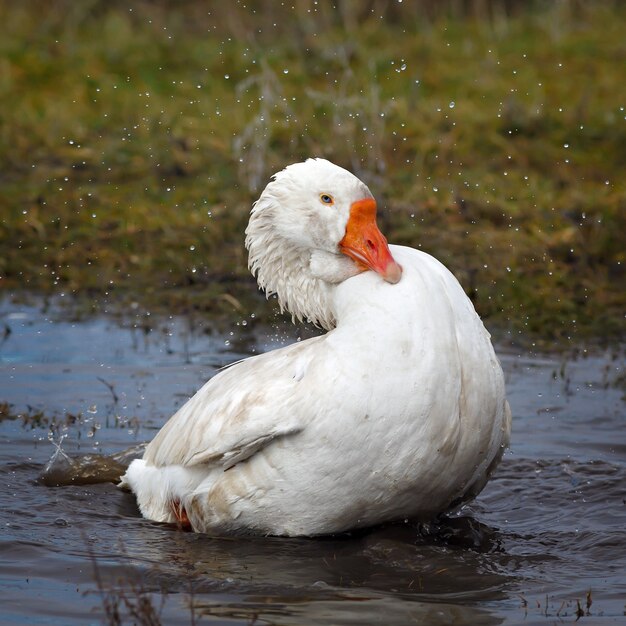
[{"x": 398, "y": 411}]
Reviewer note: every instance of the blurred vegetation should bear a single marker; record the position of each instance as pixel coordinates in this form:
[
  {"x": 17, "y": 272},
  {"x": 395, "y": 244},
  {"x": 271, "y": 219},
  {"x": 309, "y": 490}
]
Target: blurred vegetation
[{"x": 134, "y": 137}]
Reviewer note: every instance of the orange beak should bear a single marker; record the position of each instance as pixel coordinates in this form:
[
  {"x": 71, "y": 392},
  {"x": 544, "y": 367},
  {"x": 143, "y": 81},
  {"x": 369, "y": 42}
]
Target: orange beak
[{"x": 366, "y": 245}]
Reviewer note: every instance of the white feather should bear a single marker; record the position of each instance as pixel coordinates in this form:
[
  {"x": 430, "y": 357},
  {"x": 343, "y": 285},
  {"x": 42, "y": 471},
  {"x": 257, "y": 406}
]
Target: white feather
[{"x": 398, "y": 411}]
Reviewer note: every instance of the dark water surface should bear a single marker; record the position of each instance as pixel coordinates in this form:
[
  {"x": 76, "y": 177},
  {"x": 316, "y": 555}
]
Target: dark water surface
[{"x": 545, "y": 543}]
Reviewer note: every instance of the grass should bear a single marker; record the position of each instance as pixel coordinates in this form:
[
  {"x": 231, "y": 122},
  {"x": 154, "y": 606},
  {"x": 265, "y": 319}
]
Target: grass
[{"x": 135, "y": 136}]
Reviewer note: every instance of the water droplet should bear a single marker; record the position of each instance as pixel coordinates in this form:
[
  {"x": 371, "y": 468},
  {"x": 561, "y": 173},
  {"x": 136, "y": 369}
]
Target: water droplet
[{"x": 452, "y": 105}]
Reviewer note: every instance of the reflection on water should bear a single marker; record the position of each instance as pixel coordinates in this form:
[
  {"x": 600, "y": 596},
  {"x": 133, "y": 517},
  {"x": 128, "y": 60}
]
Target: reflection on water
[{"x": 548, "y": 529}]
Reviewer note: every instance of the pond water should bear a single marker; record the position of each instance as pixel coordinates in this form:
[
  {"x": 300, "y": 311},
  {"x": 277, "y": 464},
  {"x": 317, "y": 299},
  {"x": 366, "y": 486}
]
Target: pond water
[{"x": 544, "y": 543}]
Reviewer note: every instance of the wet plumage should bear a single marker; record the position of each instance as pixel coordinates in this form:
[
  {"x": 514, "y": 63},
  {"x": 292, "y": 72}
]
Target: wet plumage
[{"x": 398, "y": 411}]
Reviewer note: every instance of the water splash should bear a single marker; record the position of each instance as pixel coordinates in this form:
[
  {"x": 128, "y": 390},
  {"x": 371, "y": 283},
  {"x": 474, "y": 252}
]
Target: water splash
[{"x": 87, "y": 469}]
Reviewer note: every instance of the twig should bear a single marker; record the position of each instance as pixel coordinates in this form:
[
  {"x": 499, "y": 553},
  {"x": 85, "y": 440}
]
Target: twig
[{"x": 111, "y": 389}]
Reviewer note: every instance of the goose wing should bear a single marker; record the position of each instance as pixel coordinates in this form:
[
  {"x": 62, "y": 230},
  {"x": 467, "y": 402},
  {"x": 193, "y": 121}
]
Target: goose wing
[{"x": 238, "y": 412}]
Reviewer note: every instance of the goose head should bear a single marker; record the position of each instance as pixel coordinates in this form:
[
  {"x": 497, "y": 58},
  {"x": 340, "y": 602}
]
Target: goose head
[{"x": 313, "y": 227}]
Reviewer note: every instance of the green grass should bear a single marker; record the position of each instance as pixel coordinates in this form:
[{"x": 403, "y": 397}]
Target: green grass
[{"x": 134, "y": 138}]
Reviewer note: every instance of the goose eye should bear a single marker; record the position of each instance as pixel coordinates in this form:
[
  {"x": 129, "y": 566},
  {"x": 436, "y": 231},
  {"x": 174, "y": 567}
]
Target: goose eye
[{"x": 326, "y": 198}]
